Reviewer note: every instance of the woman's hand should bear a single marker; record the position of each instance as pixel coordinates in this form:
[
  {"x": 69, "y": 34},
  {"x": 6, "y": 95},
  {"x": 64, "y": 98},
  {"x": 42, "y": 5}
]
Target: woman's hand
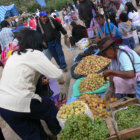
[{"x": 107, "y": 73}]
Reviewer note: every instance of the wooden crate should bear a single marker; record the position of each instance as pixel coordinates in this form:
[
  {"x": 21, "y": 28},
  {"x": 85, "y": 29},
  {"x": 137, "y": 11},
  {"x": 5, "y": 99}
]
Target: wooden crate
[
  {"x": 126, "y": 133},
  {"x": 123, "y": 134},
  {"x": 123, "y": 102},
  {"x": 111, "y": 129}
]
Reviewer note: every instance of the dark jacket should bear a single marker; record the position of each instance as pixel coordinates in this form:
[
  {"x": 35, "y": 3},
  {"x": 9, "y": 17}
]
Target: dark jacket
[
  {"x": 50, "y": 32},
  {"x": 85, "y": 10},
  {"x": 78, "y": 32}
]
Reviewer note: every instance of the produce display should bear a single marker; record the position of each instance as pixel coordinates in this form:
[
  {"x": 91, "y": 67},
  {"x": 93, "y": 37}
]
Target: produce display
[
  {"x": 74, "y": 108},
  {"x": 81, "y": 127},
  {"x": 128, "y": 118},
  {"x": 91, "y": 83},
  {"x": 91, "y": 64},
  {"x": 97, "y": 105}
]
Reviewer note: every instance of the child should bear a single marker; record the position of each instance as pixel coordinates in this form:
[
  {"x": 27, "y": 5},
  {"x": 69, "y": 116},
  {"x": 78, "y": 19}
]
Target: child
[{"x": 126, "y": 29}]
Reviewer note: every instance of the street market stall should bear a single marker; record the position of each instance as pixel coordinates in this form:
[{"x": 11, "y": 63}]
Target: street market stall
[
  {"x": 8, "y": 11},
  {"x": 113, "y": 119}
]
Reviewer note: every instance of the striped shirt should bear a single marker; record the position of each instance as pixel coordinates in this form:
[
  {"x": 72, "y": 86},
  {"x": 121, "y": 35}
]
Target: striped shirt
[{"x": 6, "y": 36}]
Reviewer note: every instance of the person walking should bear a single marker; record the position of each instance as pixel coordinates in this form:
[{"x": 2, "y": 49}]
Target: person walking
[
  {"x": 110, "y": 10},
  {"x": 50, "y": 30},
  {"x": 32, "y": 22},
  {"x": 85, "y": 11},
  {"x": 6, "y": 35}
]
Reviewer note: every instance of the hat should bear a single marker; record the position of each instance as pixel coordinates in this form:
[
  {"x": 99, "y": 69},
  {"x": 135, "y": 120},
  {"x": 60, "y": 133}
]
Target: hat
[
  {"x": 43, "y": 13},
  {"x": 105, "y": 43}
]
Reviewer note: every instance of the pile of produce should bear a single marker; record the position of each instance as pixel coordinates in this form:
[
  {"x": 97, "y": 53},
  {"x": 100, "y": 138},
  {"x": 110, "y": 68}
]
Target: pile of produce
[
  {"x": 91, "y": 64},
  {"x": 74, "y": 108},
  {"x": 91, "y": 83},
  {"x": 128, "y": 118},
  {"x": 97, "y": 105},
  {"x": 81, "y": 127}
]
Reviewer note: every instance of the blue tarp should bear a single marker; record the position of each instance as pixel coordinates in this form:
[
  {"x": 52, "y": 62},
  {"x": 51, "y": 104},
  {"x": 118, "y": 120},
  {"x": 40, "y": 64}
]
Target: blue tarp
[
  {"x": 42, "y": 3},
  {"x": 8, "y": 11}
]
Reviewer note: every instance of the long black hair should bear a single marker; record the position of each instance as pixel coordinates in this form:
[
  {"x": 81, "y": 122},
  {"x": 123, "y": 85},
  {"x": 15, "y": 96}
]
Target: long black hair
[
  {"x": 130, "y": 7},
  {"x": 29, "y": 39}
]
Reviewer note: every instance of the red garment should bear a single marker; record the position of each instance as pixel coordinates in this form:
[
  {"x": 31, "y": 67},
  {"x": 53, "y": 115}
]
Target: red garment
[
  {"x": 32, "y": 23},
  {"x": 58, "y": 19}
]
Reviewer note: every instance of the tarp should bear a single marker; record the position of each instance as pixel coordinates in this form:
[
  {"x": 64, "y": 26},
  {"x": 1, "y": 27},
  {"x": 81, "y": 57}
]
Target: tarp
[
  {"x": 8, "y": 11},
  {"x": 42, "y": 3},
  {"x": 77, "y": 93}
]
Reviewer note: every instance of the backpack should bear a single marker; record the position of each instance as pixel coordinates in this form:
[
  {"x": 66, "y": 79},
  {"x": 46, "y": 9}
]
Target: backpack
[
  {"x": 8, "y": 51},
  {"x": 117, "y": 3}
]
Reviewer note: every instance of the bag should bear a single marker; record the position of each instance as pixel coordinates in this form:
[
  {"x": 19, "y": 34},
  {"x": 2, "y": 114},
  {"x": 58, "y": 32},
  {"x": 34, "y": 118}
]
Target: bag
[
  {"x": 67, "y": 41},
  {"x": 90, "y": 33},
  {"x": 62, "y": 121},
  {"x": 83, "y": 43},
  {"x": 8, "y": 51}
]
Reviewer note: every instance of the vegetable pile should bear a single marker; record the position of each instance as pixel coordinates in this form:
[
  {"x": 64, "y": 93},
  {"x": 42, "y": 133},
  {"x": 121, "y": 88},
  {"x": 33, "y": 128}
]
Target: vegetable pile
[
  {"x": 91, "y": 83},
  {"x": 128, "y": 118},
  {"x": 91, "y": 64},
  {"x": 81, "y": 127}
]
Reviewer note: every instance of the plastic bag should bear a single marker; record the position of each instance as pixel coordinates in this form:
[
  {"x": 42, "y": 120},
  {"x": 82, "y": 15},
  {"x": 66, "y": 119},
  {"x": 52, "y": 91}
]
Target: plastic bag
[
  {"x": 77, "y": 93},
  {"x": 62, "y": 121},
  {"x": 67, "y": 41},
  {"x": 83, "y": 43},
  {"x": 90, "y": 32}
]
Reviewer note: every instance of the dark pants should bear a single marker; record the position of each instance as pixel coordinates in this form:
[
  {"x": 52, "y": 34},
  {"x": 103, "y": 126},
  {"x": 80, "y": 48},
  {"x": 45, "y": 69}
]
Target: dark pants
[
  {"x": 1, "y": 135},
  {"x": 87, "y": 23},
  {"x": 137, "y": 2},
  {"x": 130, "y": 42},
  {"x": 28, "y": 126},
  {"x": 55, "y": 49},
  {"x": 72, "y": 41}
]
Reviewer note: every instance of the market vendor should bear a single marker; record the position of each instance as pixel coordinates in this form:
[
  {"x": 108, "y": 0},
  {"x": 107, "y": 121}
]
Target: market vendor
[
  {"x": 103, "y": 30},
  {"x": 124, "y": 71}
]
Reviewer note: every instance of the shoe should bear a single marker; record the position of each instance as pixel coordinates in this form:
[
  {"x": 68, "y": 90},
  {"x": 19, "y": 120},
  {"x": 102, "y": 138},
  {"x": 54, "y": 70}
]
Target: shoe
[{"x": 65, "y": 70}]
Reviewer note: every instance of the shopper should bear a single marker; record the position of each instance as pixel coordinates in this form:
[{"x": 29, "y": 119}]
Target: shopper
[
  {"x": 32, "y": 22},
  {"x": 110, "y": 10},
  {"x": 85, "y": 11},
  {"x": 78, "y": 32},
  {"x": 124, "y": 69},
  {"x": 6, "y": 35},
  {"x": 57, "y": 19},
  {"x": 73, "y": 14},
  {"x": 126, "y": 29},
  {"x": 133, "y": 14},
  {"x": 50, "y": 30},
  {"x": 20, "y": 107},
  {"x": 64, "y": 14},
  {"x": 103, "y": 30}
]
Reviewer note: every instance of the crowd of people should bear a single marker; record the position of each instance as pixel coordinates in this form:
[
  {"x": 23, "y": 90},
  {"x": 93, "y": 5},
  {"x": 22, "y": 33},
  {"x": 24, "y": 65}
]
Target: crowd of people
[{"x": 26, "y": 94}]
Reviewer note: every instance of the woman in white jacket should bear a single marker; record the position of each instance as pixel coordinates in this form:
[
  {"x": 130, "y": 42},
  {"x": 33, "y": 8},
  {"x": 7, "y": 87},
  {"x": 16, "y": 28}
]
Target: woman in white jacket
[{"x": 20, "y": 107}]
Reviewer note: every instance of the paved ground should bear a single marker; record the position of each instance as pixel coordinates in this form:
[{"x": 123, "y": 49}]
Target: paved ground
[{"x": 8, "y": 132}]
